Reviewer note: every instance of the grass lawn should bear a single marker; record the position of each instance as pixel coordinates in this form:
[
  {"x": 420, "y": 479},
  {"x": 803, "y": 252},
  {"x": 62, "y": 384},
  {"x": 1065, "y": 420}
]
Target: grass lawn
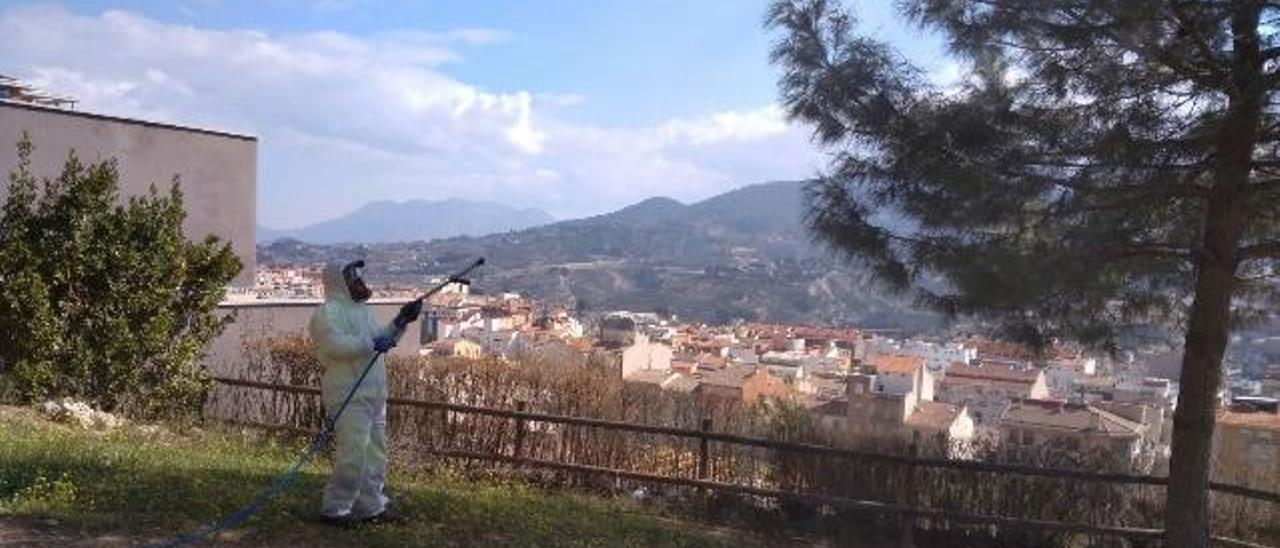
[{"x": 130, "y": 485}]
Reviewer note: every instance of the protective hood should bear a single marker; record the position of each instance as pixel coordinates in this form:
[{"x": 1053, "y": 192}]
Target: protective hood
[{"x": 335, "y": 286}]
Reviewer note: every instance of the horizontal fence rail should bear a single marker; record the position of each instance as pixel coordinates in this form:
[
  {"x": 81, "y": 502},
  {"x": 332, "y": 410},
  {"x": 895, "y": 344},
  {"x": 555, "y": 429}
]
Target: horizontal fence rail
[{"x": 522, "y": 418}]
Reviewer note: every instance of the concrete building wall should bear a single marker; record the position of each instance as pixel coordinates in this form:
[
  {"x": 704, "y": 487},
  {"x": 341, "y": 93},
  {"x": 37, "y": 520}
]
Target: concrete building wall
[
  {"x": 1247, "y": 455},
  {"x": 1040, "y": 388},
  {"x": 878, "y": 414},
  {"x": 218, "y": 171},
  {"x": 762, "y": 384},
  {"x": 644, "y": 355},
  {"x": 984, "y": 401},
  {"x": 895, "y": 383},
  {"x": 925, "y": 385},
  {"x": 961, "y": 435}
]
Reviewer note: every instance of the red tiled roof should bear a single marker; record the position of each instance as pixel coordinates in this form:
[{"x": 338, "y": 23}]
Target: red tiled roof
[
  {"x": 1074, "y": 417},
  {"x": 802, "y": 331},
  {"x": 992, "y": 372},
  {"x": 904, "y": 365},
  {"x": 1004, "y": 349},
  {"x": 935, "y": 415},
  {"x": 710, "y": 361},
  {"x": 732, "y": 377},
  {"x": 1257, "y": 420}
]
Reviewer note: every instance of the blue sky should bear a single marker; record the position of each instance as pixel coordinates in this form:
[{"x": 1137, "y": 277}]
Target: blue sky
[{"x": 575, "y": 107}]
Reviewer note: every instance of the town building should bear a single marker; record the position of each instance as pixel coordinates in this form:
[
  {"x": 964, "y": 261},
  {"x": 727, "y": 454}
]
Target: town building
[
  {"x": 900, "y": 375},
  {"x": 1065, "y": 369},
  {"x": 1270, "y": 382},
  {"x": 1031, "y": 426},
  {"x": 629, "y": 349},
  {"x": 987, "y": 389},
  {"x": 1157, "y": 423},
  {"x": 892, "y": 398},
  {"x": 454, "y": 348},
  {"x": 746, "y": 383},
  {"x": 1246, "y": 445},
  {"x": 939, "y": 356}
]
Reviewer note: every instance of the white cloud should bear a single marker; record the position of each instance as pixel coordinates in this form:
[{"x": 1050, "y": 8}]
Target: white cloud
[
  {"x": 478, "y": 36},
  {"x": 729, "y": 125},
  {"x": 559, "y": 99},
  {"x": 343, "y": 119}
]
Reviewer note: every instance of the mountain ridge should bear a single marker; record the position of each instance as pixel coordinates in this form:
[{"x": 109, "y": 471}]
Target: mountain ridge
[
  {"x": 741, "y": 255},
  {"x": 385, "y": 221}
]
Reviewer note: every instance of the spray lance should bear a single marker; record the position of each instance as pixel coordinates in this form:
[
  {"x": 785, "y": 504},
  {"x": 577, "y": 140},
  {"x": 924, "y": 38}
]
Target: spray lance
[{"x": 326, "y": 433}]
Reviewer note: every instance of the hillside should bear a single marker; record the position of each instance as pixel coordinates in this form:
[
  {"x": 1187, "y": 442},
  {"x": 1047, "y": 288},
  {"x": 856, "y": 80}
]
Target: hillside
[
  {"x": 384, "y": 221},
  {"x": 743, "y": 254}
]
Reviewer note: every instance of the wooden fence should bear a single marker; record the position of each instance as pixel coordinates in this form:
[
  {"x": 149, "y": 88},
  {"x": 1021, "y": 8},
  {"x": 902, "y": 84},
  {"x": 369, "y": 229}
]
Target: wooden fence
[{"x": 701, "y": 473}]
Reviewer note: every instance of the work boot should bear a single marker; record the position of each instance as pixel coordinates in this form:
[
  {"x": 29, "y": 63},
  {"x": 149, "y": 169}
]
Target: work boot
[
  {"x": 345, "y": 521},
  {"x": 388, "y": 515}
]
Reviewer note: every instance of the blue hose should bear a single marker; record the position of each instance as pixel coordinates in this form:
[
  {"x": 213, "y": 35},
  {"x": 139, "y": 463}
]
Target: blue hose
[{"x": 278, "y": 484}]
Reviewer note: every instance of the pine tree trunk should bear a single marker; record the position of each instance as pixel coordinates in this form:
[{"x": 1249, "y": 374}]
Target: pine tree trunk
[{"x": 1187, "y": 515}]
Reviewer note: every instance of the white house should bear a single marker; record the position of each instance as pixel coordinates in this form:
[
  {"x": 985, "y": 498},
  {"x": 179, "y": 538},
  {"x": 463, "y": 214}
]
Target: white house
[{"x": 1062, "y": 374}]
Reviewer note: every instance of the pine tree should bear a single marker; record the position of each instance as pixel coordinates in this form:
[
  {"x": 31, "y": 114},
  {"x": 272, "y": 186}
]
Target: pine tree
[{"x": 1102, "y": 165}]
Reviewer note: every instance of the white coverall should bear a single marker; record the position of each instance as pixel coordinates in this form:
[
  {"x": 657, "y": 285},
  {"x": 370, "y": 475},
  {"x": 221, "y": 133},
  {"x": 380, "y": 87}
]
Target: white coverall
[{"x": 343, "y": 331}]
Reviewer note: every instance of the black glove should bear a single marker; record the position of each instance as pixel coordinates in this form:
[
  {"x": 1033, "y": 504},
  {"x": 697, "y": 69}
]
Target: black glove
[
  {"x": 383, "y": 343},
  {"x": 408, "y": 313}
]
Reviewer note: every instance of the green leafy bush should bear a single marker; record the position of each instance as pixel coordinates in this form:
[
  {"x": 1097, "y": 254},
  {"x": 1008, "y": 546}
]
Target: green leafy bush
[{"x": 102, "y": 299}]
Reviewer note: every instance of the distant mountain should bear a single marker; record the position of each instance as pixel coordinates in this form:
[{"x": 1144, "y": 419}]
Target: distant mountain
[
  {"x": 417, "y": 220},
  {"x": 265, "y": 234},
  {"x": 744, "y": 254}
]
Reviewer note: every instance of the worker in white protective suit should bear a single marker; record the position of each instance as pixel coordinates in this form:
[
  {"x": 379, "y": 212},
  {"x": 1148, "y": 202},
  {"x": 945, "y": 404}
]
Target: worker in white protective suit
[{"x": 347, "y": 337}]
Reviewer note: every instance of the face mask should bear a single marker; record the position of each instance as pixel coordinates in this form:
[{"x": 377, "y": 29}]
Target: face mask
[{"x": 355, "y": 282}]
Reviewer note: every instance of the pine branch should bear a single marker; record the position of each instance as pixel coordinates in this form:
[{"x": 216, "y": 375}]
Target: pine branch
[
  {"x": 1216, "y": 65},
  {"x": 1262, "y": 250},
  {"x": 1264, "y": 185},
  {"x": 1167, "y": 250}
]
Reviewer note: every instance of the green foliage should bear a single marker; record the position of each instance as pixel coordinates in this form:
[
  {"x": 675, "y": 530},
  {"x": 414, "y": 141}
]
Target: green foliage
[
  {"x": 101, "y": 299},
  {"x": 1067, "y": 183},
  {"x": 42, "y": 494}
]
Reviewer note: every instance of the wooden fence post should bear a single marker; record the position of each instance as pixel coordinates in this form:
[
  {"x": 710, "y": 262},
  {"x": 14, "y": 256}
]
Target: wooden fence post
[
  {"x": 704, "y": 453},
  {"x": 907, "y": 521},
  {"x": 518, "y": 450},
  {"x": 704, "y": 463}
]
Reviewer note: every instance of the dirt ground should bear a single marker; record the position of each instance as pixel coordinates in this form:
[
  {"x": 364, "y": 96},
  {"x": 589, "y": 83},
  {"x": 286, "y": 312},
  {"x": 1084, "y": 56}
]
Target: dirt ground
[{"x": 31, "y": 532}]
